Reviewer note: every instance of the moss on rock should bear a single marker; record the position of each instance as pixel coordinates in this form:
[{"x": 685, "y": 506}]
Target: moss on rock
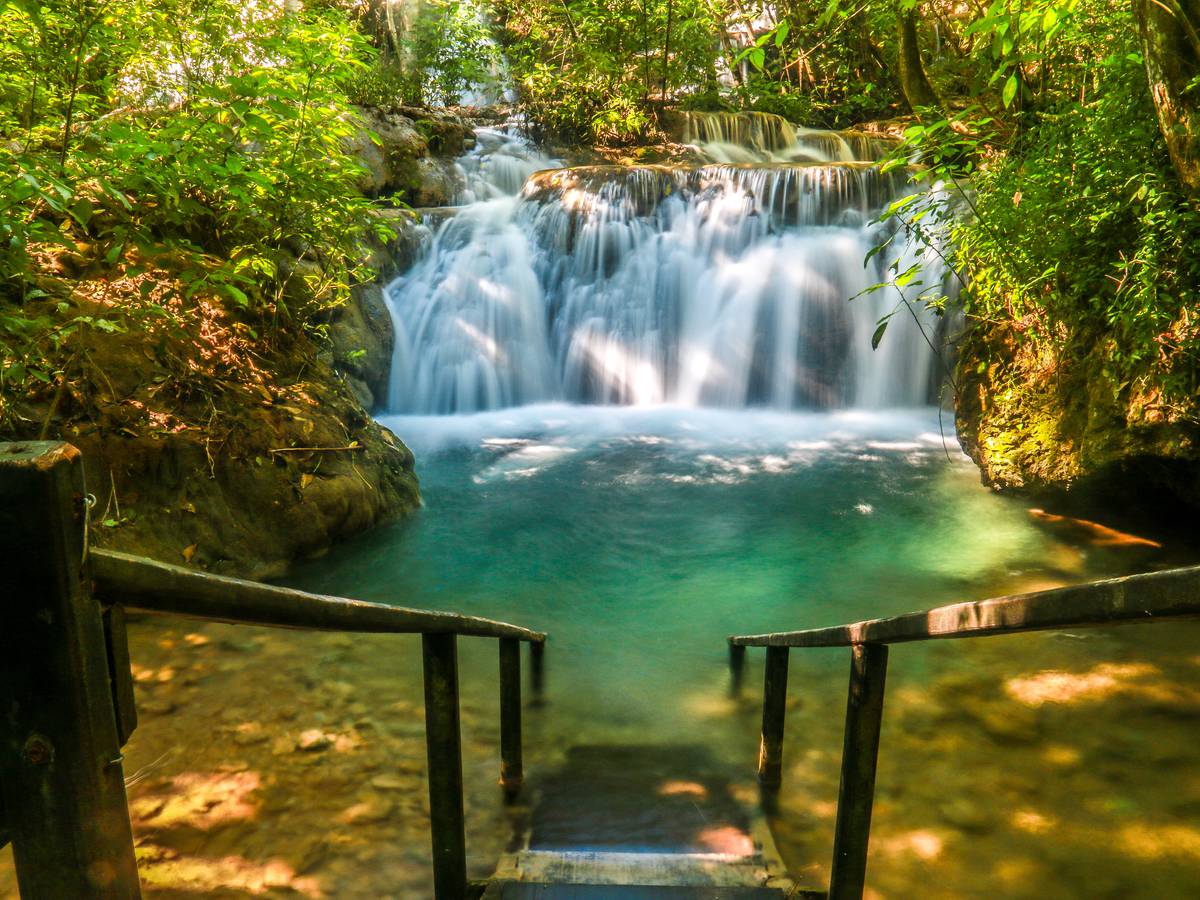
[{"x": 1054, "y": 423}]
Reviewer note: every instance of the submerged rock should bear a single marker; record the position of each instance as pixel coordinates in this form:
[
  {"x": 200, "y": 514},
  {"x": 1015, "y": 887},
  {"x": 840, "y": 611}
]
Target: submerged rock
[{"x": 313, "y": 740}]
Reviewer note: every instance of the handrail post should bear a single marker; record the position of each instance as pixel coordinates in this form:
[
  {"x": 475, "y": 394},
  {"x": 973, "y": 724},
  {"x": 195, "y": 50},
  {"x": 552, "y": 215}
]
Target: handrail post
[
  {"x": 770, "y": 751},
  {"x": 443, "y": 742},
  {"x": 737, "y": 669},
  {"x": 511, "y": 769},
  {"x": 537, "y": 672},
  {"x": 860, "y": 752},
  {"x": 61, "y": 780}
]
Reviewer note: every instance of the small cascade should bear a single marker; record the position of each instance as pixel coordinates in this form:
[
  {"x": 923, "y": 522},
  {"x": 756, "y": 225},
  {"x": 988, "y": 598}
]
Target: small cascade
[
  {"x": 757, "y": 137},
  {"x": 723, "y": 285},
  {"x": 498, "y": 165},
  {"x": 764, "y": 132}
]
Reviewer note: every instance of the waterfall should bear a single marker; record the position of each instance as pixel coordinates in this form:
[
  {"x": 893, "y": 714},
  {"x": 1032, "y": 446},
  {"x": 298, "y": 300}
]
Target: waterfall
[
  {"x": 749, "y": 137},
  {"x": 711, "y": 285}
]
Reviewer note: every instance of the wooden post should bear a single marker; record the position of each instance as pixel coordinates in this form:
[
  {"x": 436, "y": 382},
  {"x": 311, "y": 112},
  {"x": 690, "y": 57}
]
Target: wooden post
[
  {"x": 443, "y": 742},
  {"x": 511, "y": 770},
  {"x": 860, "y": 751},
  {"x": 537, "y": 672},
  {"x": 770, "y": 751},
  {"x": 60, "y": 757},
  {"x": 737, "y": 668},
  {"x": 119, "y": 672}
]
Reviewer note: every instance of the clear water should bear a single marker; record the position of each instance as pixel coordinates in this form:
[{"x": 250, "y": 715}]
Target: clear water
[{"x": 639, "y": 538}]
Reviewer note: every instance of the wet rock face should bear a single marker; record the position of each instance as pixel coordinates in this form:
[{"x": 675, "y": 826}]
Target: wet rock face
[
  {"x": 361, "y": 340},
  {"x": 408, "y": 155},
  {"x": 1058, "y": 427},
  {"x": 412, "y": 160},
  {"x": 227, "y": 503}
]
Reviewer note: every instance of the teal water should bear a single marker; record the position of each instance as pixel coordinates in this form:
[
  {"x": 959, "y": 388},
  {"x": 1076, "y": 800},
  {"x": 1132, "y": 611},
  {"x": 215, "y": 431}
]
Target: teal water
[{"x": 640, "y": 538}]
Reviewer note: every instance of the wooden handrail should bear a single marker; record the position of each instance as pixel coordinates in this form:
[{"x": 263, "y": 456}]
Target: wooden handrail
[
  {"x": 66, "y": 686},
  {"x": 145, "y": 584},
  {"x": 127, "y": 581},
  {"x": 1156, "y": 595},
  {"x": 1152, "y": 597}
]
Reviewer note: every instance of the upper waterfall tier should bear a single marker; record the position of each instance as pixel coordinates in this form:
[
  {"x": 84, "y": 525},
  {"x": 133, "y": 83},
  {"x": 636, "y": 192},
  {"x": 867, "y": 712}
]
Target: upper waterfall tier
[
  {"x": 745, "y": 137},
  {"x": 714, "y": 285},
  {"x": 787, "y": 194}
]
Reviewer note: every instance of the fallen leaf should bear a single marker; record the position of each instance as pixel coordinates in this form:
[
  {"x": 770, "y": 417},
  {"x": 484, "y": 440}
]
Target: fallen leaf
[{"x": 188, "y": 552}]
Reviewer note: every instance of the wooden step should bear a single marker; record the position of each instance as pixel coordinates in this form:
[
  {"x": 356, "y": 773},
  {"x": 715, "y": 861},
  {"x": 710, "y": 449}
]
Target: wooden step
[
  {"x": 641, "y": 799},
  {"x": 640, "y": 822},
  {"x": 518, "y": 891},
  {"x": 652, "y": 869}
]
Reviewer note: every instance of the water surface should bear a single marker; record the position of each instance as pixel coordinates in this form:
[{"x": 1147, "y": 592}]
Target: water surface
[{"x": 639, "y": 538}]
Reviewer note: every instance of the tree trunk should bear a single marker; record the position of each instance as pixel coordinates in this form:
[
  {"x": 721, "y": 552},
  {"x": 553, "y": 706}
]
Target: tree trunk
[
  {"x": 911, "y": 70},
  {"x": 667, "y": 48},
  {"x": 1170, "y": 47}
]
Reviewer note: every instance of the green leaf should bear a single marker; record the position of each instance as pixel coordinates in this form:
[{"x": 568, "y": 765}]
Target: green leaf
[
  {"x": 1010, "y": 90},
  {"x": 879, "y": 330},
  {"x": 81, "y": 211}
]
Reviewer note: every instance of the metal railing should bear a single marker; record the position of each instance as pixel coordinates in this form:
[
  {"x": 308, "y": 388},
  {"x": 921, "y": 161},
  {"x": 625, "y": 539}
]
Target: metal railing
[
  {"x": 66, "y": 688},
  {"x": 1139, "y": 598}
]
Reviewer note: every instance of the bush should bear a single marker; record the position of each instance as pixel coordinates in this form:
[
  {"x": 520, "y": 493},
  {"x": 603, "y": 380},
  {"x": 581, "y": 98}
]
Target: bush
[{"x": 211, "y": 134}]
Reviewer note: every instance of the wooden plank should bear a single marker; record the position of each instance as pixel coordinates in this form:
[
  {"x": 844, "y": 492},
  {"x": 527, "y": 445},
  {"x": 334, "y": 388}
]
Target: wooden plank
[
  {"x": 120, "y": 675},
  {"x": 443, "y": 743},
  {"x": 770, "y": 751},
  {"x": 1137, "y": 598},
  {"x": 640, "y": 869},
  {"x": 60, "y": 764},
  {"x": 145, "y": 584},
  {"x": 512, "y": 773},
  {"x": 860, "y": 752},
  {"x": 634, "y": 892}
]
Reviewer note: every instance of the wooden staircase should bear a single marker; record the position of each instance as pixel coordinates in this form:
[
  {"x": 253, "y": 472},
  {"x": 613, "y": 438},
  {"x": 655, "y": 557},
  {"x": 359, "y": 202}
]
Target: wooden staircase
[{"x": 641, "y": 823}]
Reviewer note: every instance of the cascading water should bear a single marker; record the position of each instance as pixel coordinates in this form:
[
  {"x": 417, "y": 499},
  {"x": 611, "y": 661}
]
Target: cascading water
[{"x": 709, "y": 285}]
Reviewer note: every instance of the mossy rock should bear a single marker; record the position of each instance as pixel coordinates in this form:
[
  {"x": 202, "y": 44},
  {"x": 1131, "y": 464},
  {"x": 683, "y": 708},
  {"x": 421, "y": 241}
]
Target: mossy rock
[{"x": 1053, "y": 424}]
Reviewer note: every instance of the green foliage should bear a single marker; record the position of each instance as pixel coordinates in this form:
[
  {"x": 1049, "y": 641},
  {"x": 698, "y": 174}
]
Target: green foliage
[
  {"x": 432, "y": 52},
  {"x": 1070, "y": 229},
  {"x": 1085, "y": 234},
  {"x": 213, "y": 134},
  {"x": 452, "y": 50},
  {"x": 585, "y": 69}
]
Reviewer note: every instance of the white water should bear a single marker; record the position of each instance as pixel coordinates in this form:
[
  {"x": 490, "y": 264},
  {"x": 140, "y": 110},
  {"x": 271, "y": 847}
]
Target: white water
[{"x": 717, "y": 285}]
